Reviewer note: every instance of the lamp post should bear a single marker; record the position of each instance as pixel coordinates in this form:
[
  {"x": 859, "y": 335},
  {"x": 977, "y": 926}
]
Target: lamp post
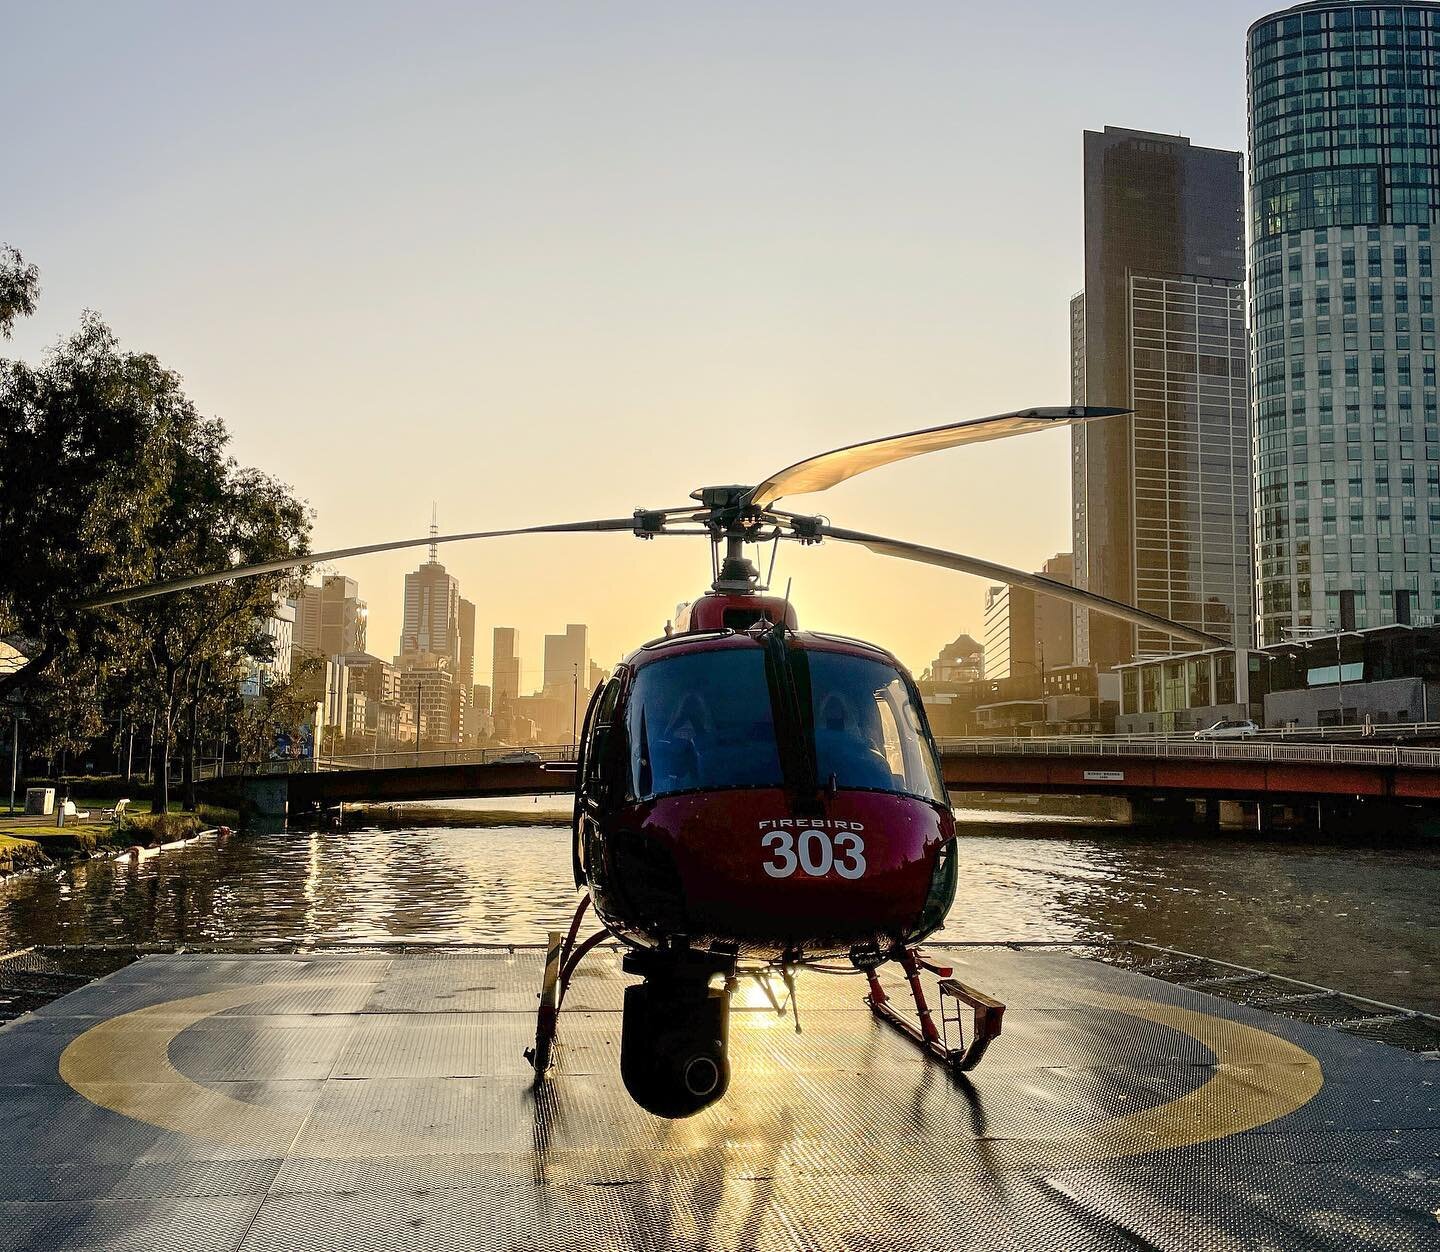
[
  {"x": 575, "y": 707},
  {"x": 1307, "y": 644},
  {"x": 14, "y": 754}
]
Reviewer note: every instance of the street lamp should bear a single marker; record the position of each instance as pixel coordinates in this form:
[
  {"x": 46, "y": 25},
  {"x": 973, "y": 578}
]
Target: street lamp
[{"x": 1307, "y": 644}]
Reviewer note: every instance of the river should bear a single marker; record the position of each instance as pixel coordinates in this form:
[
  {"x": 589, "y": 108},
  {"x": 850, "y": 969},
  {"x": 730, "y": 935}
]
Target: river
[{"x": 1360, "y": 918}]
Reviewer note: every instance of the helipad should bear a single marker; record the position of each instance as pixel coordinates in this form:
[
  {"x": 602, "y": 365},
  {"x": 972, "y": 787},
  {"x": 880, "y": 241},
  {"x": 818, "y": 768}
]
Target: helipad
[{"x": 334, "y": 1101}]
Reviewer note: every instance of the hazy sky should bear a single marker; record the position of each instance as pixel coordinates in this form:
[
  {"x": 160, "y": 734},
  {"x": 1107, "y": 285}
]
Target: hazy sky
[{"x": 544, "y": 261}]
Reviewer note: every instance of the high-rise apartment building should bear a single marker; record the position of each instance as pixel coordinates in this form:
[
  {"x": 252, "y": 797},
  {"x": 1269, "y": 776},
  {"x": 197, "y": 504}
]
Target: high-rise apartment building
[
  {"x": 1161, "y": 498},
  {"x": 343, "y": 616},
  {"x": 427, "y": 685},
  {"x": 1344, "y": 188}
]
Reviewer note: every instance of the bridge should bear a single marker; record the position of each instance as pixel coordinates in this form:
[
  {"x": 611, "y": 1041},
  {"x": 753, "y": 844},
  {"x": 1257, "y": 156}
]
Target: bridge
[{"x": 1281, "y": 771}]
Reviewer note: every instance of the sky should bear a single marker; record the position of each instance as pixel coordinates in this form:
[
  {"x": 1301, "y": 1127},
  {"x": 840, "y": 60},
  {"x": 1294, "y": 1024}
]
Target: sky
[{"x": 542, "y": 262}]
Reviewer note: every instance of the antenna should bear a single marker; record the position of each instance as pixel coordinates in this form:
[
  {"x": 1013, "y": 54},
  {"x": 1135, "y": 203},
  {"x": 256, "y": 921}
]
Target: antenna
[{"x": 434, "y": 531}]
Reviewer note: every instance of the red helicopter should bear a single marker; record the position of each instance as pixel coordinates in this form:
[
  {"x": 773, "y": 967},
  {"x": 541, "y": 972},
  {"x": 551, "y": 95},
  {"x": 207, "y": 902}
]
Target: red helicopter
[{"x": 751, "y": 797}]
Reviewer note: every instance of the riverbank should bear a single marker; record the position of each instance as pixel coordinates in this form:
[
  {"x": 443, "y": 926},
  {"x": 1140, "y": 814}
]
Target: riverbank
[
  {"x": 412, "y": 816},
  {"x": 31, "y": 845}
]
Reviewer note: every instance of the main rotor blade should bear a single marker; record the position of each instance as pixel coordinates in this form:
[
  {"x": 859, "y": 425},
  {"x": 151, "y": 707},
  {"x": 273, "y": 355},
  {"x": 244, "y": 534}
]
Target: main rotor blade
[
  {"x": 313, "y": 558},
  {"x": 819, "y": 472},
  {"x": 1034, "y": 582}
]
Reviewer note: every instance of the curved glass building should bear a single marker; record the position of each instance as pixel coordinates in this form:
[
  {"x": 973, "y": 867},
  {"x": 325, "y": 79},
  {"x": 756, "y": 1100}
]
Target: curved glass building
[{"x": 1344, "y": 189}]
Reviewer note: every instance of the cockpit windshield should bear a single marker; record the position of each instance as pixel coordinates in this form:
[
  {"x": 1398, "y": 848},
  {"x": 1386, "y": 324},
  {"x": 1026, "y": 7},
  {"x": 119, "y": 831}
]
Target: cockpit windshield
[
  {"x": 702, "y": 721},
  {"x": 867, "y": 729},
  {"x": 707, "y": 720}
]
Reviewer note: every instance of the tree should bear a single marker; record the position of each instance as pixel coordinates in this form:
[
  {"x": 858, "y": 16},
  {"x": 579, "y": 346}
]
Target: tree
[
  {"x": 19, "y": 288},
  {"x": 281, "y": 708},
  {"x": 89, "y": 440},
  {"x": 109, "y": 478},
  {"x": 214, "y": 515}
]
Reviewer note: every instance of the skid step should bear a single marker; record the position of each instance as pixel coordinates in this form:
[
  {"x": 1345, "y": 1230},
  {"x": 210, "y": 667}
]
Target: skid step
[{"x": 948, "y": 1042}]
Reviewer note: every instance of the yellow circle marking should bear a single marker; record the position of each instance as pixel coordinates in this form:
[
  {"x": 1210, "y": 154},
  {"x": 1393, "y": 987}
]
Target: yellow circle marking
[
  {"x": 123, "y": 1065},
  {"x": 1267, "y": 1079}
]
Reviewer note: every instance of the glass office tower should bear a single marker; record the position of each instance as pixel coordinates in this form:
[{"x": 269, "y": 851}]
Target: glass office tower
[
  {"x": 1343, "y": 195},
  {"x": 1162, "y": 499}
]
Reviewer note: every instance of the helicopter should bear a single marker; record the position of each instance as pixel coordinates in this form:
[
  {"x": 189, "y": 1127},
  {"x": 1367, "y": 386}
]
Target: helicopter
[{"x": 752, "y": 798}]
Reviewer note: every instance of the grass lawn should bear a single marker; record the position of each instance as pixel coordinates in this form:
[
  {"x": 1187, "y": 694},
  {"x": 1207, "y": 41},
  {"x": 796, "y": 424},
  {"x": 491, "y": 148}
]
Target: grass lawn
[
  {"x": 24, "y": 844},
  {"x": 19, "y": 853}
]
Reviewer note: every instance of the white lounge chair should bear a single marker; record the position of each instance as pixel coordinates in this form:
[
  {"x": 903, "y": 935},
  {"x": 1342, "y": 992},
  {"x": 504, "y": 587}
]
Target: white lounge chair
[{"x": 113, "y": 815}]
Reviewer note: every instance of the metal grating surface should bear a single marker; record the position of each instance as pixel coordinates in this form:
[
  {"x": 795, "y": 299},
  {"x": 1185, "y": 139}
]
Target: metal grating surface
[
  {"x": 32, "y": 977},
  {"x": 1389, "y": 1024},
  {"x": 350, "y": 1102}
]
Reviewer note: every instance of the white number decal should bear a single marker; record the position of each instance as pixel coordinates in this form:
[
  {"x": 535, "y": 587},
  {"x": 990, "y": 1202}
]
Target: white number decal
[
  {"x": 783, "y": 846},
  {"x": 848, "y": 841},
  {"x": 817, "y": 866},
  {"x": 817, "y": 854}
]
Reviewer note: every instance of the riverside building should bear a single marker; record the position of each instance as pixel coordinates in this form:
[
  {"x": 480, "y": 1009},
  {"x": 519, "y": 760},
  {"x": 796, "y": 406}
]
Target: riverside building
[
  {"x": 1162, "y": 498},
  {"x": 1344, "y": 170}
]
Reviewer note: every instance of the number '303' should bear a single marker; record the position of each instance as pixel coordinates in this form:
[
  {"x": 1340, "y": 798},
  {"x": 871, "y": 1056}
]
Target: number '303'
[{"x": 814, "y": 852}]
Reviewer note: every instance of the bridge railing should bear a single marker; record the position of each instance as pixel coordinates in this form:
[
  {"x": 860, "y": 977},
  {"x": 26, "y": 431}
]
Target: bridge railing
[
  {"x": 409, "y": 760},
  {"x": 1191, "y": 749},
  {"x": 1176, "y": 747}
]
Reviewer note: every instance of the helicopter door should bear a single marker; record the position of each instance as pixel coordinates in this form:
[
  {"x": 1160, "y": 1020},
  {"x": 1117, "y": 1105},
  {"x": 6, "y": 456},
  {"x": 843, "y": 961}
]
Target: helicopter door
[{"x": 590, "y": 789}]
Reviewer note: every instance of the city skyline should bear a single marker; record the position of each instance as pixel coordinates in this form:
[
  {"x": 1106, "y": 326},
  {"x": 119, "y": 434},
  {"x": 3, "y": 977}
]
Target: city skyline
[{"x": 775, "y": 290}]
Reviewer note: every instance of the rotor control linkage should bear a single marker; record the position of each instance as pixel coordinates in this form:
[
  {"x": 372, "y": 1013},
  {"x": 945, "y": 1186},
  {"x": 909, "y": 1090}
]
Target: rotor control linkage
[{"x": 988, "y": 1013}]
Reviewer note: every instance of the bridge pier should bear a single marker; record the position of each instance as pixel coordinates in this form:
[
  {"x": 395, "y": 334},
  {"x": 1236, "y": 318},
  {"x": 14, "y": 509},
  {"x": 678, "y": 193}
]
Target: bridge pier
[
  {"x": 1161, "y": 811},
  {"x": 265, "y": 801}
]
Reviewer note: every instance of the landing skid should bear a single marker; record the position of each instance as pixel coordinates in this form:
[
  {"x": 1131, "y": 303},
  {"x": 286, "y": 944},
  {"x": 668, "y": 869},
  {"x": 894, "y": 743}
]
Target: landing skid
[
  {"x": 947, "y": 1041},
  {"x": 563, "y": 955}
]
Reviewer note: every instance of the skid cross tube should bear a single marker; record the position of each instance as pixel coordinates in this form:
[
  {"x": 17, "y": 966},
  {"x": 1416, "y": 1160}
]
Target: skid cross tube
[{"x": 935, "y": 1040}]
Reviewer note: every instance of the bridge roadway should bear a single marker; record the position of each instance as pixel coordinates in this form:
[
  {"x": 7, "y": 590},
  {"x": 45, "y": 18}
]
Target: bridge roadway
[{"x": 1266, "y": 771}]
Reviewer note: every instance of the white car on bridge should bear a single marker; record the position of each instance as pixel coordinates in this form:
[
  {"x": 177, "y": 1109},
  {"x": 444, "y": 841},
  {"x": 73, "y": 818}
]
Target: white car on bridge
[{"x": 1229, "y": 730}]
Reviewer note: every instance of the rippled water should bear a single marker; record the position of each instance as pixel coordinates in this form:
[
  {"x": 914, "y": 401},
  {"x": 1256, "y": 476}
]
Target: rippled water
[{"x": 1366, "y": 920}]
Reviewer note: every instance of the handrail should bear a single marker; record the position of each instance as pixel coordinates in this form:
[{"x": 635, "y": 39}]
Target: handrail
[
  {"x": 1173, "y": 747},
  {"x": 1191, "y": 749},
  {"x": 407, "y": 759}
]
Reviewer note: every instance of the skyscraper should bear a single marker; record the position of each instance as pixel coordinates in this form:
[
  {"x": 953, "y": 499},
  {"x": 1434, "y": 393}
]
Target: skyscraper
[
  {"x": 567, "y": 657},
  {"x": 306, "y": 633},
  {"x": 432, "y": 613},
  {"x": 1054, "y": 619},
  {"x": 1344, "y": 180},
  {"x": 1161, "y": 499},
  {"x": 465, "y": 668},
  {"x": 505, "y": 675},
  {"x": 343, "y": 616}
]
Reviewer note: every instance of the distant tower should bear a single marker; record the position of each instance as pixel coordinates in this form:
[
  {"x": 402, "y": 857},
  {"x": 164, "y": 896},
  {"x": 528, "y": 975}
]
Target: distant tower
[
  {"x": 432, "y": 610},
  {"x": 434, "y": 533}
]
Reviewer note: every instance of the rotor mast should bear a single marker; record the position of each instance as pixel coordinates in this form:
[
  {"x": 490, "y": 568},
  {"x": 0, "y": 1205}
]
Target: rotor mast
[{"x": 734, "y": 521}]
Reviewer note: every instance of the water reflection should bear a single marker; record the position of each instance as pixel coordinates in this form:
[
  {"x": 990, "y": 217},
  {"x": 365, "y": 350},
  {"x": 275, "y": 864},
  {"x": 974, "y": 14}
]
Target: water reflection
[{"x": 1364, "y": 919}]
